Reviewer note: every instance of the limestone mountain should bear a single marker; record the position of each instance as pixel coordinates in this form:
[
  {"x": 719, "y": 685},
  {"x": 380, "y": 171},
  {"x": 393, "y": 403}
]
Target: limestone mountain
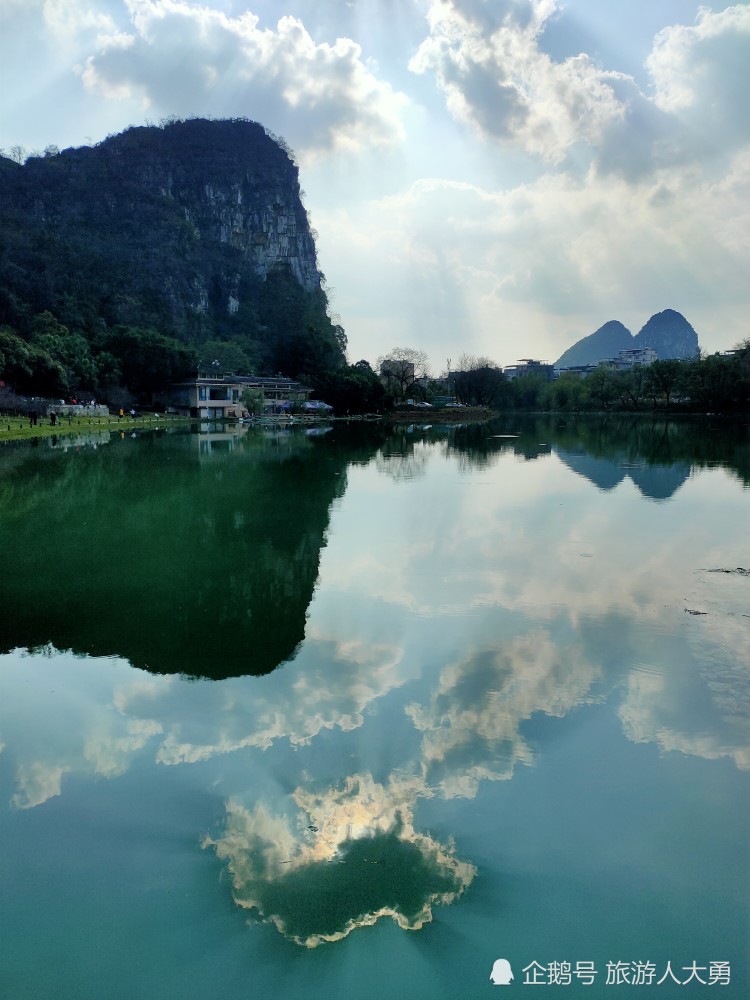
[
  {"x": 195, "y": 229},
  {"x": 667, "y": 332},
  {"x": 670, "y": 335},
  {"x": 603, "y": 343}
]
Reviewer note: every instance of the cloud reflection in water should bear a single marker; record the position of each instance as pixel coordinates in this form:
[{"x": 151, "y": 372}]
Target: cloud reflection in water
[
  {"x": 535, "y": 628},
  {"x": 353, "y": 858}
]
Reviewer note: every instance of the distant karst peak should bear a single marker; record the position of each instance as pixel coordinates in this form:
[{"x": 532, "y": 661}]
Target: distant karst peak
[{"x": 667, "y": 332}]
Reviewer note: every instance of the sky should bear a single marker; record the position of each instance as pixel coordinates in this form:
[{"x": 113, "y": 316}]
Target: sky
[{"x": 491, "y": 177}]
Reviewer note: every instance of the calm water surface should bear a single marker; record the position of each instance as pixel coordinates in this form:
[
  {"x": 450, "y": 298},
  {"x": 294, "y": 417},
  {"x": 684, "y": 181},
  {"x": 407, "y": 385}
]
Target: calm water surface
[{"x": 357, "y": 713}]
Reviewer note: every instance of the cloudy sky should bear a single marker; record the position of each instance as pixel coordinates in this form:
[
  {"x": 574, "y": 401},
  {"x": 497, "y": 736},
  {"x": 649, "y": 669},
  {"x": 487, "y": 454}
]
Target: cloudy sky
[{"x": 493, "y": 176}]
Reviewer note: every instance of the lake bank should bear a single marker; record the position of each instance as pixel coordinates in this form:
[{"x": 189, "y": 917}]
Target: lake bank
[
  {"x": 457, "y": 415},
  {"x": 19, "y": 428}
]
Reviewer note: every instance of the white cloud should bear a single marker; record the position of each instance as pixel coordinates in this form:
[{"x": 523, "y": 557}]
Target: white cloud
[
  {"x": 701, "y": 711},
  {"x": 110, "y": 754},
  {"x": 647, "y": 715},
  {"x": 698, "y": 111},
  {"x": 182, "y": 58},
  {"x": 67, "y": 20},
  {"x": 332, "y": 685},
  {"x": 66, "y": 23},
  {"x": 496, "y": 77},
  {"x": 531, "y": 263},
  {"x": 705, "y": 65},
  {"x": 87, "y": 734}
]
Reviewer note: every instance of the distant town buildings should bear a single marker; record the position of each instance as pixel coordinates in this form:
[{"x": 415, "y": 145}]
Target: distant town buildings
[
  {"x": 631, "y": 359},
  {"x": 529, "y": 366},
  {"x": 624, "y": 361}
]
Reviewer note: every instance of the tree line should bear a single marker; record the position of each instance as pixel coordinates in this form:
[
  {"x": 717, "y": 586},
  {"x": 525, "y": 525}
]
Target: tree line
[
  {"x": 715, "y": 382},
  {"x": 66, "y": 352},
  {"x": 123, "y": 364},
  {"x": 120, "y": 364},
  {"x": 710, "y": 383}
]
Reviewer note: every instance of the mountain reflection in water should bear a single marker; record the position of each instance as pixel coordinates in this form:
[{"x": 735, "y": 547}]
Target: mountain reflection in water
[
  {"x": 192, "y": 554},
  {"x": 198, "y": 554},
  {"x": 496, "y": 720}
]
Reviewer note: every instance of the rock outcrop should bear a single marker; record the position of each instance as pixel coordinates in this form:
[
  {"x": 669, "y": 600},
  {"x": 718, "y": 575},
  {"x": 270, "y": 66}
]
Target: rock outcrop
[{"x": 177, "y": 227}]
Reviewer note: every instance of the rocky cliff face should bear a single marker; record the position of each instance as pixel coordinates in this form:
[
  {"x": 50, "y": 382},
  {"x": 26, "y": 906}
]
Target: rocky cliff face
[
  {"x": 233, "y": 185},
  {"x": 178, "y": 227}
]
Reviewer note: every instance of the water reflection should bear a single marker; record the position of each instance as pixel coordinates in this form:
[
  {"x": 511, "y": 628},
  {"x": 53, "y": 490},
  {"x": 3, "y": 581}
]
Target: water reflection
[
  {"x": 199, "y": 553},
  {"x": 620, "y": 441},
  {"x": 432, "y": 594},
  {"x": 657, "y": 482},
  {"x": 192, "y": 553},
  {"x": 472, "y": 723},
  {"x": 351, "y": 858}
]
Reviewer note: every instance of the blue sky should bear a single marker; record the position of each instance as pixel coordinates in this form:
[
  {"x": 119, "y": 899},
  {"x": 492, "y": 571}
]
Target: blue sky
[{"x": 498, "y": 178}]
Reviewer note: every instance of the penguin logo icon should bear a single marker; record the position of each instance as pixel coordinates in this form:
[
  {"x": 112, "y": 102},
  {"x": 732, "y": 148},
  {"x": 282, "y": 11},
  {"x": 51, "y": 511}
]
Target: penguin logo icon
[{"x": 501, "y": 974}]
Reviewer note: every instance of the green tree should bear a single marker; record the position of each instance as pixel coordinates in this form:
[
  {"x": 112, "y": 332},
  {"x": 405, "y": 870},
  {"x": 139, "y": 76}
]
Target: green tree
[
  {"x": 230, "y": 355},
  {"x": 602, "y": 389},
  {"x": 479, "y": 382},
  {"x": 741, "y": 374},
  {"x": 252, "y": 400},
  {"x": 70, "y": 350},
  {"x": 716, "y": 382},
  {"x": 476, "y": 381},
  {"x": 108, "y": 371},
  {"x": 401, "y": 369},
  {"x": 148, "y": 360},
  {"x": 48, "y": 377},
  {"x": 299, "y": 339},
  {"x": 662, "y": 378},
  {"x": 352, "y": 389},
  {"x": 28, "y": 369},
  {"x": 631, "y": 387},
  {"x": 568, "y": 393},
  {"x": 14, "y": 357},
  {"x": 529, "y": 391}
]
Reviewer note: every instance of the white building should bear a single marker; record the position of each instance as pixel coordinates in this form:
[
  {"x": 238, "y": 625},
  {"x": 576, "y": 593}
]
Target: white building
[
  {"x": 638, "y": 356},
  {"x": 221, "y": 398}
]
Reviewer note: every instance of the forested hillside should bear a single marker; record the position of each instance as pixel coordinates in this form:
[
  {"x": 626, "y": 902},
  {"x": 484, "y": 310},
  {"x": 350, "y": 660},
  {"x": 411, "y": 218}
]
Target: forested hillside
[{"x": 133, "y": 260}]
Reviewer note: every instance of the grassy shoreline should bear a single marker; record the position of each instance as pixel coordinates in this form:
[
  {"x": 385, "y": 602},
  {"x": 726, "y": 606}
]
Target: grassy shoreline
[{"x": 18, "y": 428}]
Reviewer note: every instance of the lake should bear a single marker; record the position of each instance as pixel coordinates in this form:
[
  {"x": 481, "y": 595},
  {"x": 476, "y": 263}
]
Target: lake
[{"x": 370, "y": 711}]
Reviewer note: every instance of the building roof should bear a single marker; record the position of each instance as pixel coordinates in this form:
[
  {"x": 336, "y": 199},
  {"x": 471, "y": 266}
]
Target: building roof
[{"x": 259, "y": 381}]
